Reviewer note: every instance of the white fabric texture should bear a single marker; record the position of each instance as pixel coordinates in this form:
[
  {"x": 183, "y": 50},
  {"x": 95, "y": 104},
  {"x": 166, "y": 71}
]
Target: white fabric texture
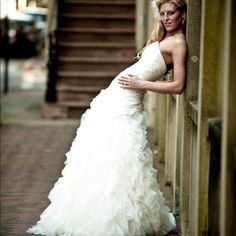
[{"x": 108, "y": 185}]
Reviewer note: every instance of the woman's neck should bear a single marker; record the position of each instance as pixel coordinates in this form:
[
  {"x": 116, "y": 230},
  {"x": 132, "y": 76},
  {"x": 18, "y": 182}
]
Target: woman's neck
[{"x": 172, "y": 33}]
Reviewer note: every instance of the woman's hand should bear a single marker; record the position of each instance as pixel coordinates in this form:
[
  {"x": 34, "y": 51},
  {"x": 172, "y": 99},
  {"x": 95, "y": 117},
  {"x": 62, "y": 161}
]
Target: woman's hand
[{"x": 131, "y": 82}]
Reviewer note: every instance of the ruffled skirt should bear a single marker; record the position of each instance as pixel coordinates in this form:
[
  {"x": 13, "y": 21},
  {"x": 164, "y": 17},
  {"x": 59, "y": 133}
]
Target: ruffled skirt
[{"x": 108, "y": 185}]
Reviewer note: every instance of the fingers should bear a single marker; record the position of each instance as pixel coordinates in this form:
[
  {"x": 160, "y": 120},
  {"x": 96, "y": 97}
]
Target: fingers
[
  {"x": 131, "y": 75},
  {"x": 123, "y": 80},
  {"x": 126, "y": 81},
  {"x": 123, "y": 83},
  {"x": 128, "y": 76}
]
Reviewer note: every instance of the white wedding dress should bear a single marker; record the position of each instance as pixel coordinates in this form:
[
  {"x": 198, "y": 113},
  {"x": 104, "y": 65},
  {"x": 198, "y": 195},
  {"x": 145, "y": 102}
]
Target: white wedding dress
[{"x": 108, "y": 185}]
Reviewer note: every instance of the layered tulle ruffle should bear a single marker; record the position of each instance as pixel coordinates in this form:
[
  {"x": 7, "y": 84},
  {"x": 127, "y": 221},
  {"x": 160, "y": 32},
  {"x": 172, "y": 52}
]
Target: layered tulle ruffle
[{"x": 108, "y": 185}]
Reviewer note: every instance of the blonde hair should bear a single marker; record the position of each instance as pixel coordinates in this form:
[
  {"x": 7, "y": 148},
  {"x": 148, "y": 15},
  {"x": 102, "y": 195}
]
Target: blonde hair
[{"x": 159, "y": 31}]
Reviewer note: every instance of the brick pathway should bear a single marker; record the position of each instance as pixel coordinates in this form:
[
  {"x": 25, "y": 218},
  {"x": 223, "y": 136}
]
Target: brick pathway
[{"x": 31, "y": 160}]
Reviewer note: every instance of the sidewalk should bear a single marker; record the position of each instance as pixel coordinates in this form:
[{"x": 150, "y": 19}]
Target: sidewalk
[
  {"x": 33, "y": 153},
  {"x": 27, "y": 84},
  {"x": 31, "y": 160}
]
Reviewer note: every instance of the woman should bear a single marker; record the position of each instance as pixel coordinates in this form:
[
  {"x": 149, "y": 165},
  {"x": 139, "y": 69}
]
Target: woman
[{"x": 109, "y": 185}]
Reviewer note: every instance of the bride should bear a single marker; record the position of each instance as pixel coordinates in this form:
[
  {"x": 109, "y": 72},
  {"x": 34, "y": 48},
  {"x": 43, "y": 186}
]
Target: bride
[{"x": 108, "y": 185}]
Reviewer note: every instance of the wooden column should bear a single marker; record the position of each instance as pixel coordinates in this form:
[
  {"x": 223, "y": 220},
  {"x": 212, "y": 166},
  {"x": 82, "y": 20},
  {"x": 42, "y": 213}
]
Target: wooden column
[
  {"x": 228, "y": 171},
  {"x": 161, "y": 120},
  {"x": 177, "y": 161},
  {"x": 170, "y": 151},
  {"x": 189, "y": 120},
  {"x": 140, "y": 24},
  {"x": 210, "y": 95}
]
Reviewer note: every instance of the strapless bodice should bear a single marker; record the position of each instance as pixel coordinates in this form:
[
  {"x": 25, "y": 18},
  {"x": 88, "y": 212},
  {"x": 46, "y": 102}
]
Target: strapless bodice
[{"x": 151, "y": 66}]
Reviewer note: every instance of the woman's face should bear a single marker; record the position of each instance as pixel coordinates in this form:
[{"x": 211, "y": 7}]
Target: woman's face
[{"x": 171, "y": 17}]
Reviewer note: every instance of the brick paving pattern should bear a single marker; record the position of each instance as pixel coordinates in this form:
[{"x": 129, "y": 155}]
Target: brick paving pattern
[{"x": 32, "y": 158}]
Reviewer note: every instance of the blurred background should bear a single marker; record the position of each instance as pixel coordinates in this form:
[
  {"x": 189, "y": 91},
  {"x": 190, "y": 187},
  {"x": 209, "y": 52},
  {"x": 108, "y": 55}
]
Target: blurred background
[
  {"x": 25, "y": 22},
  {"x": 57, "y": 55},
  {"x": 69, "y": 49},
  {"x": 22, "y": 57}
]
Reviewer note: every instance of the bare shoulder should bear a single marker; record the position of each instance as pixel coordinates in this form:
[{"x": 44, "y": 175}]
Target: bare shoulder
[
  {"x": 179, "y": 43},
  {"x": 179, "y": 49}
]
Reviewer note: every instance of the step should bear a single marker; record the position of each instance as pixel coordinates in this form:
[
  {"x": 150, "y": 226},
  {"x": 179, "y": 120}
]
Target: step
[
  {"x": 87, "y": 78},
  {"x": 85, "y": 82},
  {"x": 73, "y": 109},
  {"x": 79, "y": 89},
  {"x": 101, "y": 1},
  {"x": 92, "y": 63},
  {"x": 86, "y": 98},
  {"x": 87, "y": 74},
  {"x": 91, "y": 67},
  {"x": 94, "y": 60},
  {"x": 64, "y": 110},
  {"x": 98, "y": 30},
  {"x": 103, "y": 7},
  {"x": 96, "y": 45},
  {"x": 101, "y": 83},
  {"x": 93, "y": 23},
  {"x": 74, "y": 104},
  {"x": 98, "y": 16},
  {"x": 98, "y": 35},
  {"x": 91, "y": 49},
  {"x": 73, "y": 20}
]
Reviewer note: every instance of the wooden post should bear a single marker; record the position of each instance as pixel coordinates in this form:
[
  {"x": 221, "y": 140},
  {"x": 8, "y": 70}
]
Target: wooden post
[
  {"x": 189, "y": 121},
  {"x": 210, "y": 95},
  {"x": 228, "y": 171},
  {"x": 170, "y": 152},
  {"x": 140, "y": 24}
]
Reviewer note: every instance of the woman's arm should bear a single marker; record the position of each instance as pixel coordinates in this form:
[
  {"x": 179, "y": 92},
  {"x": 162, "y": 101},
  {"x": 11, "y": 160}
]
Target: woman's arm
[{"x": 175, "y": 86}]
